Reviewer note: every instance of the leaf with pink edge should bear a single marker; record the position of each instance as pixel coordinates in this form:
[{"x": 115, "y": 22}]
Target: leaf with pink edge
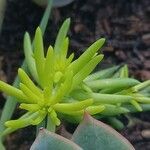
[
  {"x": 50, "y": 141},
  {"x": 92, "y": 134}
]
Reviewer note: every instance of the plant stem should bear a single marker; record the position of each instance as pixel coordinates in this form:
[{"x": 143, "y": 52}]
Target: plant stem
[
  {"x": 2, "y": 12},
  {"x": 50, "y": 125},
  {"x": 41, "y": 125}
]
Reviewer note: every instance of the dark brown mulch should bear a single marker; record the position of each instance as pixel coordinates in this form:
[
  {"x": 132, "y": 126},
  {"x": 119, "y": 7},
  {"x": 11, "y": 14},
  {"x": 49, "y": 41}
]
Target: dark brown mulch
[{"x": 124, "y": 23}]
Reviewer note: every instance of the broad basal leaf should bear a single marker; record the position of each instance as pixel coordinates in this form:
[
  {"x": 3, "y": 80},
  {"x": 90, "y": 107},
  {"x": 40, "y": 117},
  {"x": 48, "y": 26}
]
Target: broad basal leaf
[
  {"x": 50, "y": 141},
  {"x": 92, "y": 134}
]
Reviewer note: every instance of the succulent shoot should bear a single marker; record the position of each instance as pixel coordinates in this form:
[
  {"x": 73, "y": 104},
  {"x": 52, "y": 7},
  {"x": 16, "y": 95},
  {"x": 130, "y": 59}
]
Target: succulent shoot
[
  {"x": 59, "y": 87},
  {"x": 56, "y": 76}
]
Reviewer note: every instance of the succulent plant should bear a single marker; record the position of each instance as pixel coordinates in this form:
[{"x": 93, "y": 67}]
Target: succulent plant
[
  {"x": 55, "y": 87},
  {"x": 56, "y": 76},
  {"x": 62, "y": 87},
  {"x": 91, "y": 134}
]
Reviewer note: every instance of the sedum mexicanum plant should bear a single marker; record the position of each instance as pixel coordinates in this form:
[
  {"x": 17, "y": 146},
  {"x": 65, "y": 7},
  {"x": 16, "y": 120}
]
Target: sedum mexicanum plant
[
  {"x": 56, "y": 76},
  {"x": 62, "y": 86},
  {"x": 57, "y": 87}
]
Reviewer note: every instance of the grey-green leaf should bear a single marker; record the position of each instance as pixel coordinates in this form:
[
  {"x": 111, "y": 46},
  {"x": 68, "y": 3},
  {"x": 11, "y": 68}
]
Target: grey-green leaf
[
  {"x": 114, "y": 83},
  {"x": 50, "y": 141},
  {"x": 102, "y": 74},
  {"x": 92, "y": 134}
]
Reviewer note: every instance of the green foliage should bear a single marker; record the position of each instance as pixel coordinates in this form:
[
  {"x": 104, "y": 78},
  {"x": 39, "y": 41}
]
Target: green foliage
[
  {"x": 56, "y": 77},
  {"x": 89, "y": 135},
  {"x": 11, "y": 102},
  {"x": 58, "y": 87}
]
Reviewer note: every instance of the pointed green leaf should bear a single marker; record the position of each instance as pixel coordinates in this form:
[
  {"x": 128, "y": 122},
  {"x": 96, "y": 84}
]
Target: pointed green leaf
[
  {"x": 102, "y": 74},
  {"x": 124, "y": 72},
  {"x": 12, "y": 91},
  {"x": 115, "y": 123},
  {"x": 141, "y": 86},
  {"x": 69, "y": 60},
  {"x": 113, "y": 110},
  {"x": 92, "y": 110},
  {"x": 110, "y": 98},
  {"x": 24, "y": 78},
  {"x": 46, "y": 16},
  {"x": 39, "y": 119},
  {"x": 21, "y": 122},
  {"x": 64, "y": 87},
  {"x": 114, "y": 83},
  {"x": 92, "y": 134},
  {"x": 76, "y": 106},
  {"x": 54, "y": 118},
  {"x": 49, "y": 68},
  {"x": 50, "y": 141},
  {"x": 39, "y": 54},
  {"x": 63, "y": 53},
  {"x": 78, "y": 64},
  {"x": 29, "y": 56},
  {"x": 88, "y": 68},
  {"x": 61, "y": 36},
  {"x": 136, "y": 105},
  {"x": 31, "y": 96},
  {"x": 30, "y": 107}
]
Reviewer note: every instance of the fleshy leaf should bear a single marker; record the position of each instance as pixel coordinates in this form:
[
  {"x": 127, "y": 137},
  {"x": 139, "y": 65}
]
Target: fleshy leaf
[
  {"x": 65, "y": 48},
  {"x": 124, "y": 72},
  {"x": 116, "y": 83},
  {"x": 93, "y": 134},
  {"x": 29, "y": 56},
  {"x": 24, "y": 78},
  {"x": 86, "y": 70},
  {"x": 48, "y": 68},
  {"x": 112, "y": 110},
  {"x": 39, "y": 54},
  {"x": 12, "y": 91},
  {"x": 67, "y": 107},
  {"x": 87, "y": 55},
  {"x": 102, "y": 74},
  {"x": 30, "y": 95},
  {"x": 50, "y": 141},
  {"x": 61, "y": 35}
]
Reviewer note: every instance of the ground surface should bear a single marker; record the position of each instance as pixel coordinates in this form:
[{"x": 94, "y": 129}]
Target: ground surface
[{"x": 124, "y": 23}]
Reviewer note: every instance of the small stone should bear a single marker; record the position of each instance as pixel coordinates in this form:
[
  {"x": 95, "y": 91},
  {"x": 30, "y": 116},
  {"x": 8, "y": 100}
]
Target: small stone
[
  {"x": 147, "y": 64},
  {"x": 146, "y": 133},
  {"x": 78, "y": 28},
  {"x": 146, "y": 38}
]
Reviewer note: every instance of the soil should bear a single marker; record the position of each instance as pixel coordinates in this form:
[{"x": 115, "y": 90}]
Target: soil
[{"x": 125, "y": 24}]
